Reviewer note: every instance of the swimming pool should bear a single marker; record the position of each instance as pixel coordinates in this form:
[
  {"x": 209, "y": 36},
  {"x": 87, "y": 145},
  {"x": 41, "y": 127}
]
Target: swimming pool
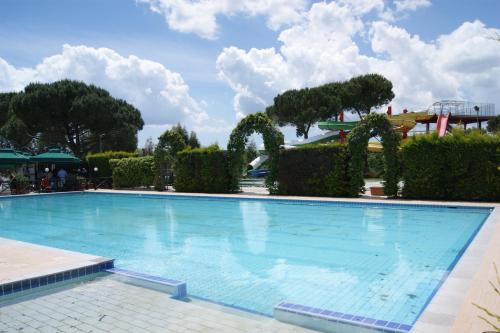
[{"x": 373, "y": 260}]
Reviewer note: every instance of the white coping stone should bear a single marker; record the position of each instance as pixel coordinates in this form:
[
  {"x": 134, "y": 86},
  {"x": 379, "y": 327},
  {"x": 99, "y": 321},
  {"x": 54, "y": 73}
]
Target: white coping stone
[{"x": 177, "y": 290}]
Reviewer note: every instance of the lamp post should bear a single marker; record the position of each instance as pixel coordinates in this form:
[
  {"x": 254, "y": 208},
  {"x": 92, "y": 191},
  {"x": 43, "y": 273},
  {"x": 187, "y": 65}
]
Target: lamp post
[
  {"x": 476, "y": 108},
  {"x": 96, "y": 169}
]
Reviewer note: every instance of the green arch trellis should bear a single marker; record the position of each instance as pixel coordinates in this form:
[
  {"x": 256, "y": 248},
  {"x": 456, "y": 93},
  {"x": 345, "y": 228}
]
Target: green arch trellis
[
  {"x": 374, "y": 124},
  {"x": 273, "y": 139}
]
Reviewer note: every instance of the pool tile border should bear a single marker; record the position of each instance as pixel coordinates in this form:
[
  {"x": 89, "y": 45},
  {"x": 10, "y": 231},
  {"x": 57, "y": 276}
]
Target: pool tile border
[
  {"x": 13, "y": 287},
  {"x": 178, "y": 289},
  {"x": 275, "y": 199},
  {"x": 316, "y": 202},
  {"x": 342, "y": 318}
]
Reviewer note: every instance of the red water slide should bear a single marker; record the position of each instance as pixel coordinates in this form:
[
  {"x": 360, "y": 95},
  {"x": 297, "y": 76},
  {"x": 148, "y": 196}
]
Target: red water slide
[{"x": 442, "y": 124}]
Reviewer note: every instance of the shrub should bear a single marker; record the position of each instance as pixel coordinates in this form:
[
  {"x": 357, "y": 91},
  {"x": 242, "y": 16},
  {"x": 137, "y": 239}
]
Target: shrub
[
  {"x": 459, "y": 166},
  {"x": 205, "y": 170},
  {"x": 22, "y": 184},
  {"x": 169, "y": 144},
  {"x": 132, "y": 171},
  {"x": 101, "y": 161},
  {"x": 314, "y": 170},
  {"x": 374, "y": 124},
  {"x": 273, "y": 138}
]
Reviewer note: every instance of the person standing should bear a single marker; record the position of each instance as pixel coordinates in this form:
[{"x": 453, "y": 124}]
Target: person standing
[{"x": 62, "y": 174}]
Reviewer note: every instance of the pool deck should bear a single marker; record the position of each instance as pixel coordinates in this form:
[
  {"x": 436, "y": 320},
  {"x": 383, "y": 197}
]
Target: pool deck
[
  {"x": 450, "y": 310},
  {"x": 21, "y": 260},
  {"x": 105, "y": 304}
]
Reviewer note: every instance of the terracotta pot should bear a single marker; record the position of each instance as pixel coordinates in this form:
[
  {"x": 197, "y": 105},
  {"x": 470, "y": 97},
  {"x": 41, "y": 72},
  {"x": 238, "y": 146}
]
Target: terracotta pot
[{"x": 377, "y": 190}]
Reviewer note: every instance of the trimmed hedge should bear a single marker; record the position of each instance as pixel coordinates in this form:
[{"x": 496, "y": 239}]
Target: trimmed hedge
[
  {"x": 101, "y": 161},
  {"x": 458, "y": 166},
  {"x": 132, "y": 171},
  {"x": 205, "y": 170},
  {"x": 314, "y": 171}
]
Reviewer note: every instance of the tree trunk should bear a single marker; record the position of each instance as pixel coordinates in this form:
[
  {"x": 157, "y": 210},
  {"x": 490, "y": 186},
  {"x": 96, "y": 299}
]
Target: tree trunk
[
  {"x": 70, "y": 141},
  {"x": 306, "y": 132}
]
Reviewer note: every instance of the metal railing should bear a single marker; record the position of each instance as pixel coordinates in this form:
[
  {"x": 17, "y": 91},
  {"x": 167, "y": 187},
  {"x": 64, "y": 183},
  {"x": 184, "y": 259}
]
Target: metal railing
[{"x": 462, "y": 108}]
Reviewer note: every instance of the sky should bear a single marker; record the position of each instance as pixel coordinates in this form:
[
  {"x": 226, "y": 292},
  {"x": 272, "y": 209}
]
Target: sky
[{"x": 208, "y": 63}]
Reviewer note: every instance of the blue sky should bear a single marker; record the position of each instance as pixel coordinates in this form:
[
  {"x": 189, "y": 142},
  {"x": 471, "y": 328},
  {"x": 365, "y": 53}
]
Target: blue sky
[{"x": 33, "y": 30}]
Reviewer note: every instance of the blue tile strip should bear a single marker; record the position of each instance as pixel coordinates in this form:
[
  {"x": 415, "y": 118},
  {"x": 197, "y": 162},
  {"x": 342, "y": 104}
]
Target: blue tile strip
[
  {"x": 299, "y": 201},
  {"x": 27, "y": 284},
  {"x": 179, "y": 287},
  {"x": 344, "y": 318}
]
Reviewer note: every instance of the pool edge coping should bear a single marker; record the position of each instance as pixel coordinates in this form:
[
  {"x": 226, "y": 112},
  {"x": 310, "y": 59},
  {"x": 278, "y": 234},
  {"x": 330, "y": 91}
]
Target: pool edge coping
[
  {"x": 363, "y": 200},
  {"x": 440, "y": 314}
]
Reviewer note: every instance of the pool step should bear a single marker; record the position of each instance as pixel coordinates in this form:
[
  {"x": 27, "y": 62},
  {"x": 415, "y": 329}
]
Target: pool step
[
  {"x": 332, "y": 321},
  {"x": 176, "y": 288},
  {"x": 13, "y": 288}
]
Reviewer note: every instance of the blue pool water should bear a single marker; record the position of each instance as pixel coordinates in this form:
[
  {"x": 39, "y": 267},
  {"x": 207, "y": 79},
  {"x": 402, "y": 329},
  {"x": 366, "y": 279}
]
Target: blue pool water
[{"x": 383, "y": 262}]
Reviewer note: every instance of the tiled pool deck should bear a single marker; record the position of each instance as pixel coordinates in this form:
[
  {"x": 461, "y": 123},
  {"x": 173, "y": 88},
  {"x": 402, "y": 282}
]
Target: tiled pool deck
[{"x": 107, "y": 304}]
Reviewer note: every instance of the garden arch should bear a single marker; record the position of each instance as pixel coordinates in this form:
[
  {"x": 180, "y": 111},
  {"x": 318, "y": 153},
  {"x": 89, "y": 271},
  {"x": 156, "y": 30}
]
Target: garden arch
[
  {"x": 273, "y": 139},
  {"x": 374, "y": 124}
]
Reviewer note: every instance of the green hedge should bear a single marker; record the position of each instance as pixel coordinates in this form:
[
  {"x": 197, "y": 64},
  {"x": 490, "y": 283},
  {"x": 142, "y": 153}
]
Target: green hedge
[
  {"x": 203, "y": 170},
  {"x": 132, "y": 171},
  {"x": 458, "y": 166},
  {"x": 101, "y": 161},
  {"x": 314, "y": 171}
]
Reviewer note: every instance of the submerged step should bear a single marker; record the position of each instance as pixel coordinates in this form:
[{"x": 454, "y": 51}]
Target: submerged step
[
  {"x": 176, "y": 288},
  {"x": 332, "y": 321}
]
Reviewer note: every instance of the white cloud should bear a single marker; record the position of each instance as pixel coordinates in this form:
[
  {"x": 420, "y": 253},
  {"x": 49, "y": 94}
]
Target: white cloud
[
  {"x": 411, "y": 5},
  {"x": 401, "y": 8},
  {"x": 200, "y": 16},
  {"x": 462, "y": 65},
  {"x": 360, "y": 7},
  {"x": 12, "y": 78},
  {"x": 161, "y": 95},
  {"x": 321, "y": 48},
  {"x": 317, "y": 50}
]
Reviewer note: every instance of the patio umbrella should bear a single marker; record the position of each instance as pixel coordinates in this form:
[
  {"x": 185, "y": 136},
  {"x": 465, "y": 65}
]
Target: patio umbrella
[
  {"x": 9, "y": 158},
  {"x": 56, "y": 156}
]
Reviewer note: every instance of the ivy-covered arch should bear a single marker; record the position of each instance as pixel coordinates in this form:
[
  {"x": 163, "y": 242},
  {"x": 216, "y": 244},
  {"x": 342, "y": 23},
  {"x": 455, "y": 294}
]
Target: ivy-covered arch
[
  {"x": 374, "y": 124},
  {"x": 273, "y": 139}
]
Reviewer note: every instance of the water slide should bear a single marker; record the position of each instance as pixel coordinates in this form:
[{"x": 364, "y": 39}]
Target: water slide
[
  {"x": 400, "y": 124},
  {"x": 442, "y": 124},
  {"x": 256, "y": 163},
  {"x": 314, "y": 139}
]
